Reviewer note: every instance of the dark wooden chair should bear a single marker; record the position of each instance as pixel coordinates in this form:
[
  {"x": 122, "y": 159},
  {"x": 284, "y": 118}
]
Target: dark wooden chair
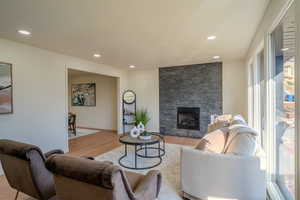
[{"x": 72, "y": 123}]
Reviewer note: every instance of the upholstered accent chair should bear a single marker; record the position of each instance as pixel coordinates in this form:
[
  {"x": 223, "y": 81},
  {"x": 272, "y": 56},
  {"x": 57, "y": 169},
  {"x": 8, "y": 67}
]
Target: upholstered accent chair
[
  {"x": 25, "y": 170},
  {"x": 81, "y": 179},
  {"x": 226, "y": 164}
]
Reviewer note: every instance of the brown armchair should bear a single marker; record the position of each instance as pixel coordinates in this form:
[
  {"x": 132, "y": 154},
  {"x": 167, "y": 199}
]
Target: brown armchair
[
  {"x": 81, "y": 179},
  {"x": 25, "y": 170}
]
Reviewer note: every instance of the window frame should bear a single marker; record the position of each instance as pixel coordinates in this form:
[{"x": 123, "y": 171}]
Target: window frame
[
  {"x": 270, "y": 148},
  {"x": 251, "y": 104},
  {"x": 257, "y": 91}
]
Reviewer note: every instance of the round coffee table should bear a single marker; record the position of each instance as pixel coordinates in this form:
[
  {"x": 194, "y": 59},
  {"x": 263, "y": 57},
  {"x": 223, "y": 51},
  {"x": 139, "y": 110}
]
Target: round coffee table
[{"x": 143, "y": 144}]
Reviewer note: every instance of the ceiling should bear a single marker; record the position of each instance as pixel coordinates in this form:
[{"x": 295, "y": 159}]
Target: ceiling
[{"x": 144, "y": 33}]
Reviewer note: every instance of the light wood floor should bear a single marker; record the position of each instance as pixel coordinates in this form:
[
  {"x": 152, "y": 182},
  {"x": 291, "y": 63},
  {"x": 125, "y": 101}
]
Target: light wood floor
[{"x": 90, "y": 145}]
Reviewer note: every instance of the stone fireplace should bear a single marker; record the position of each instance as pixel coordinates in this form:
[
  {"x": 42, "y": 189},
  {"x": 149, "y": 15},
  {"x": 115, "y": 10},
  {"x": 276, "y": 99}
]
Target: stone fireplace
[
  {"x": 188, "y": 96},
  {"x": 188, "y": 118}
]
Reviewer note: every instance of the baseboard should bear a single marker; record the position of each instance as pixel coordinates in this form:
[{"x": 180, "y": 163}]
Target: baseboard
[{"x": 96, "y": 129}]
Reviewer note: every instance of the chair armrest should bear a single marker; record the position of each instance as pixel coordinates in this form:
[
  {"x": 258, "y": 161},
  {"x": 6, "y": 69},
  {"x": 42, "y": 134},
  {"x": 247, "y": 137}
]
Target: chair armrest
[
  {"x": 210, "y": 174},
  {"x": 88, "y": 157},
  {"x": 92, "y": 158},
  {"x": 55, "y": 151},
  {"x": 149, "y": 186},
  {"x": 106, "y": 162}
]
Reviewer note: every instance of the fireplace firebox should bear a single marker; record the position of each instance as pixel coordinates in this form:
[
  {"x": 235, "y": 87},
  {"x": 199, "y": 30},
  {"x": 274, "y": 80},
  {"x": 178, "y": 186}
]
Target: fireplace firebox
[{"x": 188, "y": 118}]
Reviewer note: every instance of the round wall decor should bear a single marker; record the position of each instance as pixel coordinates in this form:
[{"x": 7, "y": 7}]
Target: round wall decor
[{"x": 129, "y": 97}]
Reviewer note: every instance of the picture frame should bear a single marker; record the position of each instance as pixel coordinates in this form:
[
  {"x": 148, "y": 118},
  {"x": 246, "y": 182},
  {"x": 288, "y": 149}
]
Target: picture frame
[
  {"x": 83, "y": 94},
  {"x": 6, "y": 88}
]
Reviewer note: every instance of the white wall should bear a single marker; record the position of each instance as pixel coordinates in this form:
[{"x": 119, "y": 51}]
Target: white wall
[
  {"x": 40, "y": 94},
  {"x": 235, "y": 88},
  {"x": 146, "y": 85},
  {"x": 104, "y": 114},
  {"x": 298, "y": 32}
]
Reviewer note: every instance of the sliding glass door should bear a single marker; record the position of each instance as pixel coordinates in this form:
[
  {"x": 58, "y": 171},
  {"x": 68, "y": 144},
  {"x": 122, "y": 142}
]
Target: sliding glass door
[{"x": 283, "y": 40}]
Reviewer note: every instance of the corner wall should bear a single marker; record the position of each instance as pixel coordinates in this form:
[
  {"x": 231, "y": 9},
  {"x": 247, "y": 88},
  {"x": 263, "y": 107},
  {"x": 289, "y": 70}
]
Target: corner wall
[
  {"x": 272, "y": 11},
  {"x": 145, "y": 84},
  {"x": 235, "y": 88}
]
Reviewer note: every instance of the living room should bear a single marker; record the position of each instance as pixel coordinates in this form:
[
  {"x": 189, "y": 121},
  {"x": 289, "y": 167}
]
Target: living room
[{"x": 185, "y": 72}]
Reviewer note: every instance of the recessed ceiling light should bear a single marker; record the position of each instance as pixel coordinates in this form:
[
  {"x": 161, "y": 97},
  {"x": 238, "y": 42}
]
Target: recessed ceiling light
[
  {"x": 97, "y": 55},
  {"x": 24, "y": 32},
  {"x": 216, "y": 57},
  {"x": 132, "y": 66},
  {"x": 212, "y": 37},
  {"x": 285, "y": 49}
]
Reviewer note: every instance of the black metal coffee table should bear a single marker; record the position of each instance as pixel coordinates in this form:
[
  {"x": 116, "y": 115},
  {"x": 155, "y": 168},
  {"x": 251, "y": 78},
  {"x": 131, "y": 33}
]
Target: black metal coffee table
[{"x": 143, "y": 145}]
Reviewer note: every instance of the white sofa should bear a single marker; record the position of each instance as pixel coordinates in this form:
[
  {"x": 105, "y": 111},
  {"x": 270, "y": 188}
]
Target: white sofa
[{"x": 218, "y": 176}]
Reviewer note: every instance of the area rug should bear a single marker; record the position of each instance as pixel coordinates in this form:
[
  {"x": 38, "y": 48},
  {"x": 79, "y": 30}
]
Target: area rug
[
  {"x": 82, "y": 132},
  {"x": 170, "y": 168}
]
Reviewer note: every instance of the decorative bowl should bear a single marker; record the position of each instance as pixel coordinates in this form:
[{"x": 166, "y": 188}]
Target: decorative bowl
[{"x": 145, "y": 137}]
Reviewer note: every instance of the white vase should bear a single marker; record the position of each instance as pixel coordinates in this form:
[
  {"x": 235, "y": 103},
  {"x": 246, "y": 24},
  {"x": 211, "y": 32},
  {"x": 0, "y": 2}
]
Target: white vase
[
  {"x": 141, "y": 127},
  {"x": 135, "y": 132}
]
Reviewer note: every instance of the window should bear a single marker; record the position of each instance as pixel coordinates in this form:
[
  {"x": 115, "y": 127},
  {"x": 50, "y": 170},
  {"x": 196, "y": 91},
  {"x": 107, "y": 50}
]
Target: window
[
  {"x": 283, "y": 44},
  {"x": 251, "y": 94},
  {"x": 262, "y": 95}
]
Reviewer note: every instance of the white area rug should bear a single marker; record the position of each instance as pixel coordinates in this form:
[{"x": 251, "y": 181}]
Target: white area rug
[
  {"x": 82, "y": 132},
  {"x": 169, "y": 168}
]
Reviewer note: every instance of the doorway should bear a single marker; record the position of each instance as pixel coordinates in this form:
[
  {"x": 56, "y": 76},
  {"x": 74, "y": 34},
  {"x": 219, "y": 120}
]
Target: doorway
[{"x": 92, "y": 103}]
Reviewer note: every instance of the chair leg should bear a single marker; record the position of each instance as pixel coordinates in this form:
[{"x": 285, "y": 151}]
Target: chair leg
[
  {"x": 17, "y": 195},
  {"x": 74, "y": 129}
]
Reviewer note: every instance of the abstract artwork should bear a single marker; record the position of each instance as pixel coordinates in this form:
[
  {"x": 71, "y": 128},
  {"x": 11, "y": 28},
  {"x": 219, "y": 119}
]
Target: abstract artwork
[
  {"x": 6, "y": 102},
  {"x": 84, "y": 94}
]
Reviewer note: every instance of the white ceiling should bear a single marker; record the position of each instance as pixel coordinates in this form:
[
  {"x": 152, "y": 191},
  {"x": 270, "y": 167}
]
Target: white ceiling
[{"x": 144, "y": 33}]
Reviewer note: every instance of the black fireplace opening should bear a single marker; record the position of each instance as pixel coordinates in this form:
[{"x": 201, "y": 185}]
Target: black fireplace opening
[{"x": 188, "y": 118}]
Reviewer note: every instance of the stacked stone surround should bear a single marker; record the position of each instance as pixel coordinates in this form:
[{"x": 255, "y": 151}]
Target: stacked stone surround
[{"x": 197, "y": 85}]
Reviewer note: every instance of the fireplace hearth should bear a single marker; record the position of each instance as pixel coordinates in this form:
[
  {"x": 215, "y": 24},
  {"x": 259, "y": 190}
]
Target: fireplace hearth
[{"x": 188, "y": 118}]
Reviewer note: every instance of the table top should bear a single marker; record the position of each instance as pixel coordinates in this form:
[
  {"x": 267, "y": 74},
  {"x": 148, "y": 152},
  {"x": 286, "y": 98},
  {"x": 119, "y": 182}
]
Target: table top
[{"x": 126, "y": 139}]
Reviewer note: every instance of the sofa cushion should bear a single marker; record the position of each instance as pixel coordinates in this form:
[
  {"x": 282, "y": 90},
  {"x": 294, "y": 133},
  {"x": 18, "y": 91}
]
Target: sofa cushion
[
  {"x": 223, "y": 118},
  {"x": 238, "y": 119},
  {"x": 214, "y": 141},
  {"x": 216, "y": 126},
  {"x": 242, "y": 140}
]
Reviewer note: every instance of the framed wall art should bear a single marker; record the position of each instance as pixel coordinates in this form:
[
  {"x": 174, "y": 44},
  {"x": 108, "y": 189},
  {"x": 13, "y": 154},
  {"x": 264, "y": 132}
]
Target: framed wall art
[
  {"x": 84, "y": 94},
  {"x": 6, "y": 87}
]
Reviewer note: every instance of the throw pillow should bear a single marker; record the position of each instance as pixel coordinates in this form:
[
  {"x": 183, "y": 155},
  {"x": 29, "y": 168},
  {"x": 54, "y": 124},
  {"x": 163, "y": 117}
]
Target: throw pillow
[
  {"x": 216, "y": 126},
  {"x": 214, "y": 141},
  {"x": 242, "y": 140},
  {"x": 223, "y": 118},
  {"x": 238, "y": 119}
]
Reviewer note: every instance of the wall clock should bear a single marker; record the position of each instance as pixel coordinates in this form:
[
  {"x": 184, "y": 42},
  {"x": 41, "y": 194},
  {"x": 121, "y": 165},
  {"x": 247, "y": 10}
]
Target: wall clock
[{"x": 129, "y": 97}]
